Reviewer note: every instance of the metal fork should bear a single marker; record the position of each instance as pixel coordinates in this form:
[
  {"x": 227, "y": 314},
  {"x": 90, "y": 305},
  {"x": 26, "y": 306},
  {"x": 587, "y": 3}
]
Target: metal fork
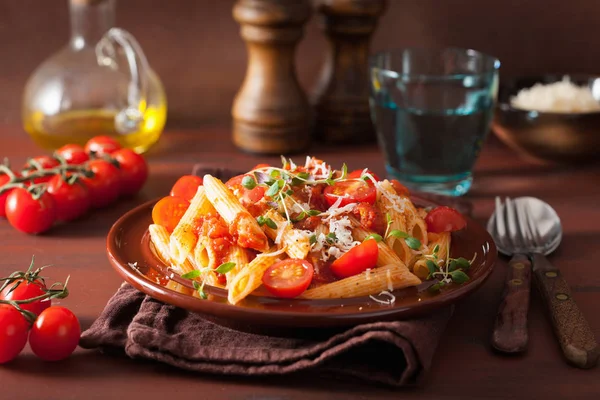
[{"x": 512, "y": 238}]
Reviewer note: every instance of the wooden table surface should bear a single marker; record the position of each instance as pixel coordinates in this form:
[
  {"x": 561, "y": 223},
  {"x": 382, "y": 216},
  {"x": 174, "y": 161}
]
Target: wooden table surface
[{"x": 464, "y": 366}]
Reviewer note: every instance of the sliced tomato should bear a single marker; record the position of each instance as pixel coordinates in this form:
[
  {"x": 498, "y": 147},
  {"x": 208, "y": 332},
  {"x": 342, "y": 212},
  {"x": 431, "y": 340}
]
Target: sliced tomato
[
  {"x": 444, "y": 219},
  {"x": 288, "y": 278},
  {"x": 168, "y": 211},
  {"x": 359, "y": 173},
  {"x": 400, "y": 189},
  {"x": 248, "y": 196},
  {"x": 351, "y": 191},
  {"x": 186, "y": 187},
  {"x": 356, "y": 260},
  {"x": 262, "y": 165}
]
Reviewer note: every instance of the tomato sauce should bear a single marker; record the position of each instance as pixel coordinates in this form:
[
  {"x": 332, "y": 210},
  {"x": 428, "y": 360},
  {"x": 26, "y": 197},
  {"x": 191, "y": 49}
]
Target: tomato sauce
[
  {"x": 370, "y": 217},
  {"x": 322, "y": 271}
]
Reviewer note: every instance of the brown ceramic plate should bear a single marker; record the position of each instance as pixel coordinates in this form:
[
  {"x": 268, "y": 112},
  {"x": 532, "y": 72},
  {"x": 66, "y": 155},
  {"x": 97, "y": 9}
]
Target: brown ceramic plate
[{"x": 130, "y": 254}]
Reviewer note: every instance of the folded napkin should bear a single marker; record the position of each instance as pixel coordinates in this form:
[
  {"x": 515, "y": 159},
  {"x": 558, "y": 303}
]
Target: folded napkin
[{"x": 396, "y": 353}]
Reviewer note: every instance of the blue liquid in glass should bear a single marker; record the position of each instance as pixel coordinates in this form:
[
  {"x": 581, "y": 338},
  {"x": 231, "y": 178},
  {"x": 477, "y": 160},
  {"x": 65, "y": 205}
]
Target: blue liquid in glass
[{"x": 433, "y": 150}]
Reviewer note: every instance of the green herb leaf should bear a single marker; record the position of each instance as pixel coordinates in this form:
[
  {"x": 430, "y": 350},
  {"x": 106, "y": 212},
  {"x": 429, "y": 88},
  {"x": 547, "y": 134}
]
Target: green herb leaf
[
  {"x": 331, "y": 238},
  {"x": 431, "y": 267},
  {"x": 459, "y": 276},
  {"x": 398, "y": 234},
  {"x": 436, "y": 288},
  {"x": 261, "y": 220},
  {"x": 413, "y": 243},
  {"x": 312, "y": 239},
  {"x": 314, "y": 213},
  {"x": 452, "y": 266},
  {"x": 248, "y": 182},
  {"x": 191, "y": 275},
  {"x": 463, "y": 263},
  {"x": 388, "y": 218},
  {"x": 436, "y": 248},
  {"x": 270, "y": 223},
  {"x": 375, "y": 236},
  {"x": 344, "y": 171},
  {"x": 274, "y": 173},
  {"x": 200, "y": 289},
  {"x": 330, "y": 181},
  {"x": 273, "y": 189},
  {"x": 225, "y": 267},
  {"x": 299, "y": 217}
]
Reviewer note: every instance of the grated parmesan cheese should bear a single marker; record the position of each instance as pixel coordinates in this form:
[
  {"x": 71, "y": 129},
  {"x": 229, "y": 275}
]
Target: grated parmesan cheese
[
  {"x": 388, "y": 277},
  {"x": 280, "y": 231},
  {"x": 390, "y": 300}
]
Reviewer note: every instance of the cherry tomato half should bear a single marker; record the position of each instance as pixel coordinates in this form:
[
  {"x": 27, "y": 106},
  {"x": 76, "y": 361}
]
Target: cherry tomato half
[
  {"x": 262, "y": 165},
  {"x": 359, "y": 172},
  {"x": 168, "y": 211},
  {"x": 25, "y": 290},
  {"x": 356, "y": 260},
  {"x": 72, "y": 200},
  {"x": 28, "y": 214},
  {"x": 400, "y": 189},
  {"x": 13, "y": 332},
  {"x": 101, "y": 145},
  {"x": 45, "y": 162},
  {"x": 73, "y": 154},
  {"x": 134, "y": 171},
  {"x": 351, "y": 191},
  {"x": 288, "y": 278},
  {"x": 104, "y": 187},
  {"x": 444, "y": 219},
  {"x": 55, "y": 334},
  {"x": 186, "y": 187},
  {"x": 248, "y": 196}
]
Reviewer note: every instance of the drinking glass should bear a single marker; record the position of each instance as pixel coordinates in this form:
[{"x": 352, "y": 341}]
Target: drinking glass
[{"x": 432, "y": 110}]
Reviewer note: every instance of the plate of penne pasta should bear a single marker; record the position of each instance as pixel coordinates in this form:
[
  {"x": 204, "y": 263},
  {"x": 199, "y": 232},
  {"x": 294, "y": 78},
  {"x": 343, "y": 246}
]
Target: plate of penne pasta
[{"x": 300, "y": 245}]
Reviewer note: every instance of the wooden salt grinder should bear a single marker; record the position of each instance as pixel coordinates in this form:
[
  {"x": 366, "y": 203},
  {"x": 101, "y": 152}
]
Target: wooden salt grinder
[
  {"x": 271, "y": 114},
  {"x": 341, "y": 98}
]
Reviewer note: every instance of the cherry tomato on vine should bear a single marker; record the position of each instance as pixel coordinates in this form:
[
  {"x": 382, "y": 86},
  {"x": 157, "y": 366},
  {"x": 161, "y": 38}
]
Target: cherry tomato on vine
[
  {"x": 288, "y": 278},
  {"x": 25, "y": 290},
  {"x": 72, "y": 199},
  {"x": 13, "y": 332},
  {"x": 74, "y": 154},
  {"x": 186, "y": 186},
  {"x": 3, "y": 180},
  {"x": 134, "y": 171},
  {"x": 46, "y": 162},
  {"x": 105, "y": 186},
  {"x": 444, "y": 219},
  {"x": 30, "y": 215},
  {"x": 168, "y": 211},
  {"x": 101, "y": 145},
  {"x": 356, "y": 260},
  {"x": 55, "y": 334}
]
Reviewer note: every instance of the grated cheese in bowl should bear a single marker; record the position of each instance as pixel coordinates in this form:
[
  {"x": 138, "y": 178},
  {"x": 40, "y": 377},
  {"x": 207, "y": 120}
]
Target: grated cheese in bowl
[{"x": 558, "y": 97}]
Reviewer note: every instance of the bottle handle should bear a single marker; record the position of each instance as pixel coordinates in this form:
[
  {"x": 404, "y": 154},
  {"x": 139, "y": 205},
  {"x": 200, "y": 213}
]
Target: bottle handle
[{"x": 130, "y": 118}]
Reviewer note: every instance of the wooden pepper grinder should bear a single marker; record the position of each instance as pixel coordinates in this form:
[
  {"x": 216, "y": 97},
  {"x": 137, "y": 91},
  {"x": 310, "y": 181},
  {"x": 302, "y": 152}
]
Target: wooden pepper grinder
[
  {"x": 341, "y": 98},
  {"x": 271, "y": 114}
]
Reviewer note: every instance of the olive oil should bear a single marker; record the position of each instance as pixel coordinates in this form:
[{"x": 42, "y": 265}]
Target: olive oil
[{"x": 78, "y": 126}]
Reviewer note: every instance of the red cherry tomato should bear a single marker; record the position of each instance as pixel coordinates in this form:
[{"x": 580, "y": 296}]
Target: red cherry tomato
[
  {"x": 105, "y": 186},
  {"x": 444, "y": 219},
  {"x": 73, "y": 154},
  {"x": 248, "y": 196},
  {"x": 186, "y": 187},
  {"x": 351, "y": 191},
  {"x": 134, "y": 171},
  {"x": 101, "y": 145},
  {"x": 356, "y": 260},
  {"x": 28, "y": 214},
  {"x": 25, "y": 290},
  {"x": 55, "y": 334},
  {"x": 168, "y": 211},
  {"x": 288, "y": 278},
  {"x": 262, "y": 165},
  {"x": 400, "y": 189},
  {"x": 4, "y": 180},
  {"x": 13, "y": 333},
  {"x": 45, "y": 162},
  {"x": 359, "y": 172},
  {"x": 72, "y": 200}
]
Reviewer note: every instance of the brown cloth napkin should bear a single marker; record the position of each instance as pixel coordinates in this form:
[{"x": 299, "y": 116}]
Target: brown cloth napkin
[{"x": 396, "y": 353}]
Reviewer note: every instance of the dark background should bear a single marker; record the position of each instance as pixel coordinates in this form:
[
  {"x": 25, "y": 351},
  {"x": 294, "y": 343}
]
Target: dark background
[{"x": 195, "y": 47}]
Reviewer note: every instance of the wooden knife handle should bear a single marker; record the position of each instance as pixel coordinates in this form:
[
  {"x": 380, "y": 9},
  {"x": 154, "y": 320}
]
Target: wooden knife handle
[
  {"x": 573, "y": 331},
  {"x": 510, "y": 329}
]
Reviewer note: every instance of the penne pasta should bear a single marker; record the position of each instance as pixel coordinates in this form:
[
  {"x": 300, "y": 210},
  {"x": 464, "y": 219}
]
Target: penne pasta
[
  {"x": 249, "y": 233},
  {"x": 184, "y": 238},
  {"x": 239, "y": 256},
  {"x": 160, "y": 240},
  {"x": 294, "y": 240},
  {"x": 389, "y": 277}
]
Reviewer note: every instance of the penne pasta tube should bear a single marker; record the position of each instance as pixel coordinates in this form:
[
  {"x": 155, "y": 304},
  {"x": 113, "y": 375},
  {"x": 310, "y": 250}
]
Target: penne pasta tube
[
  {"x": 374, "y": 281},
  {"x": 386, "y": 254},
  {"x": 443, "y": 241},
  {"x": 184, "y": 238},
  {"x": 412, "y": 223},
  {"x": 239, "y": 256},
  {"x": 250, "y": 277},
  {"x": 160, "y": 240},
  {"x": 249, "y": 233},
  {"x": 295, "y": 241}
]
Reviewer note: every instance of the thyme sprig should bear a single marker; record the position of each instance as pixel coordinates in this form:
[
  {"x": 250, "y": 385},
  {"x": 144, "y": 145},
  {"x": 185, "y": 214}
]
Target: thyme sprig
[
  {"x": 199, "y": 286},
  {"x": 410, "y": 241}
]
